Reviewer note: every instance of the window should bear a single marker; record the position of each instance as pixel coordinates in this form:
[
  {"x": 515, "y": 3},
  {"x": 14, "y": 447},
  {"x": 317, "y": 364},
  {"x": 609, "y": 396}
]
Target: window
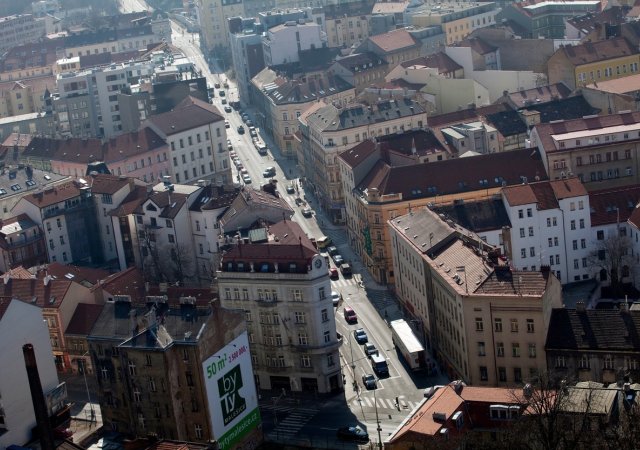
[
  {"x": 548, "y": 221},
  {"x": 581, "y": 223},
  {"x": 484, "y": 374},
  {"x": 198, "y": 428},
  {"x": 520, "y": 214},
  {"x": 608, "y": 362},
  {"x": 137, "y": 396},
  {"x": 479, "y": 324},
  {"x": 500, "y": 349},
  {"x": 521, "y": 232},
  {"x": 532, "y": 350},
  {"x": 530, "y": 231},
  {"x": 299, "y": 317},
  {"x": 600, "y": 235},
  {"x": 497, "y": 325},
  {"x": 530, "y": 326},
  {"x": 303, "y": 339},
  {"x": 514, "y": 325},
  {"x": 573, "y": 224},
  {"x": 561, "y": 362},
  {"x": 321, "y": 293},
  {"x": 305, "y": 361},
  {"x": 148, "y": 359},
  {"x": 529, "y": 213},
  {"x": 481, "y": 349},
  {"x": 502, "y": 374},
  {"x": 515, "y": 350},
  {"x": 532, "y": 251},
  {"x": 327, "y": 337},
  {"x": 132, "y": 368},
  {"x": 523, "y": 252},
  {"x": 517, "y": 374},
  {"x": 324, "y": 315},
  {"x": 575, "y": 244},
  {"x": 584, "y": 362}
]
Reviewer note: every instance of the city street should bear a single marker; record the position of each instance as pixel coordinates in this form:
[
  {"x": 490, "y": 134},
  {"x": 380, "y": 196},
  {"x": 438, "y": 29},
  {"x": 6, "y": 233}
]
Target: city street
[{"x": 301, "y": 418}]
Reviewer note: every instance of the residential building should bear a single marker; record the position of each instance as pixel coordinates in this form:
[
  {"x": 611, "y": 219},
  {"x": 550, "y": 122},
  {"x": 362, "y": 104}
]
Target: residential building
[
  {"x": 432, "y": 38},
  {"x": 546, "y": 19},
  {"x": 594, "y": 344},
  {"x": 393, "y": 47},
  {"x": 457, "y": 19},
  {"x": 583, "y": 64},
  {"x": 347, "y": 24},
  {"x": 151, "y": 377},
  {"x": 614, "y": 96},
  {"x": 284, "y": 100},
  {"x": 550, "y": 226},
  {"x": 484, "y": 56},
  {"x": 79, "y": 327},
  {"x": 361, "y": 70},
  {"x": 57, "y": 299},
  {"x": 24, "y": 96},
  {"x": 20, "y": 323},
  {"x": 602, "y": 151},
  {"x": 66, "y": 215},
  {"x": 198, "y": 139},
  {"x": 28, "y": 124},
  {"x": 245, "y": 44},
  {"x": 445, "y": 66},
  {"x": 254, "y": 208},
  {"x": 377, "y": 190},
  {"x": 141, "y": 154},
  {"x": 331, "y": 129},
  {"x": 18, "y": 181},
  {"x": 21, "y": 243},
  {"x": 595, "y": 26},
  {"x": 484, "y": 322},
  {"x": 213, "y": 15},
  {"x": 19, "y": 30},
  {"x": 281, "y": 44},
  {"x": 456, "y": 411},
  {"x": 542, "y": 94},
  {"x": 29, "y": 60},
  {"x": 395, "y": 12},
  {"x": 283, "y": 286}
]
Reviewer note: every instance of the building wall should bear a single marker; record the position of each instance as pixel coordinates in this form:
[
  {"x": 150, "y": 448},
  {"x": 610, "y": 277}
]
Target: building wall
[
  {"x": 22, "y": 323},
  {"x": 19, "y": 30},
  {"x": 346, "y": 31},
  {"x": 454, "y": 94},
  {"x": 213, "y": 20},
  {"x": 282, "y": 45}
]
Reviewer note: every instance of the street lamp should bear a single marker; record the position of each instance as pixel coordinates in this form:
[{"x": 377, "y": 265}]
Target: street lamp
[
  {"x": 375, "y": 402},
  {"x": 86, "y": 385}
]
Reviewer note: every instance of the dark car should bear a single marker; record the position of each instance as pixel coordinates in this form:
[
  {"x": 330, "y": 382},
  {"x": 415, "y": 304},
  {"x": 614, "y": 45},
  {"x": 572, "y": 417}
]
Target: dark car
[
  {"x": 221, "y": 93},
  {"x": 370, "y": 349},
  {"x": 338, "y": 259},
  {"x": 290, "y": 189},
  {"x": 360, "y": 336},
  {"x": 333, "y": 273},
  {"x": 307, "y": 212},
  {"x": 356, "y": 434},
  {"x": 332, "y": 250},
  {"x": 240, "y": 129},
  {"x": 369, "y": 381},
  {"x": 227, "y": 109},
  {"x": 217, "y": 85}
]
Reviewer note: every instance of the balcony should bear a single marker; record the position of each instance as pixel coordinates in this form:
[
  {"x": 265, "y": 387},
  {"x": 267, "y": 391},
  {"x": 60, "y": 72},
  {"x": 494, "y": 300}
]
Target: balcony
[
  {"x": 267, "y": 303},
  {"x": 21, "y": 242}
]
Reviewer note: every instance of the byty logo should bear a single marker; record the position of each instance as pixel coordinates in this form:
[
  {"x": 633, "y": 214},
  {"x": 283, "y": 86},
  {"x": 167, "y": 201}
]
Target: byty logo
[{"x": 230, "y": 400}]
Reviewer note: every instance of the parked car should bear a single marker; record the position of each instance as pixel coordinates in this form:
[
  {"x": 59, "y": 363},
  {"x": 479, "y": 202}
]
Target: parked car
[
  {"x": 355, "y": 434},
  {"x": 335, "y": 298},
  {"x": 223, "y": 101},
  {"x": 350, "y": 315},
  {"x": 370, "y": 349},
  {"x": 290, "y": 189},
  {"x": 345, "y": 269},
  {"x": 228, "y": 109},
  {"x": 332, "y": 250},
  {"x": 246, "y": 179},
  {"x": 253, "y": 132},
  {"x": 216, "y": 85},
  {"x": 269, "y": 172},
  {"x": 226, "y": 124},
  {"x": 240, "y": 129},
  {"x": 333, "y": 273},
  {"x": 245, "y": 117},
  {"x": 222, "y": 93},
  {"x": 337, "y": 259},
  {"x": 360, "y": 336},
  {"x": 249, "y": 123},
  {"x": 307, "y": 212},
  {"x": 369, "y": 381}
]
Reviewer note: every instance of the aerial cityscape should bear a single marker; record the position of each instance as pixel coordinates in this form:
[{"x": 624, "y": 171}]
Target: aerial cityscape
[{"x": 326, "y": 224}]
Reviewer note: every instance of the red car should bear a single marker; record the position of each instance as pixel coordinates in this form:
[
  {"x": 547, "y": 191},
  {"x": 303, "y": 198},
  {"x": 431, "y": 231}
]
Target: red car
[{"x": 333, "y": 273}]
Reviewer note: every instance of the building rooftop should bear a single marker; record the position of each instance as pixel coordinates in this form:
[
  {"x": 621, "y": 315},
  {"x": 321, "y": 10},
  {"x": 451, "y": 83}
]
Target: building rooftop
[
  {"x": 14, "y": 225},
  {"x": 308, "y": 89},
  {"x": 18, "y": 181},
  {"x": 86, "y": 276},
  {"x": 37, "y": 85},
  {"x": 56, "y": 194},
  {"x": 624, "y": 85},
  {"x": 508, "y": 122},
  {"x": 574, "y": 107},
  {"x": 592, "y": 52},
  {"x": 438, "y": 60},
  {"x": 361, "y": 62},
  {"x": 478, "y": 45},
  {"x": 476, "y": 216},
  {"x": 390, "y": 7},
  {"x": 36, "y": 54},
  {"x": 188, "y": 114},
  {"x": 35, "y": 291},
  {"x": 169, "y": 203},
  {"x": 594, "y": 329},
  {"x": 394, "y": 41},
  {"x": 544, "y": 194},
  {"x": 542, "y": 94},
  {"x": 17, "y": 140},
  {"x": 109, "y": 184},
  {"x": 83, "y": 319},
  {"x": 614, "y": 205},
  {"x": 592, "y": 21},
  {"x": 214, "y": 197},
  {"x": 455, "y": 175}
]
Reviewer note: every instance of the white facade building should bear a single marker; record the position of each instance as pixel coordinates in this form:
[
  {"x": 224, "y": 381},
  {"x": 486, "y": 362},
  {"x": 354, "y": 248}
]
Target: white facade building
[
  {"x": 282, "y": 43},
  {"x": 21, "y": 323},
  {"x": 19, "y": 30},
  {"x": 550, "y": 226},
  {"x": 195, "y": 131}
]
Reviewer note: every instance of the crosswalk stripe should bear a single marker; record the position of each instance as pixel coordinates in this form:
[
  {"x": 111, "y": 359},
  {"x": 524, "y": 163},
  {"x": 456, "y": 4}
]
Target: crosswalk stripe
[{"x": 383, "y": 403}]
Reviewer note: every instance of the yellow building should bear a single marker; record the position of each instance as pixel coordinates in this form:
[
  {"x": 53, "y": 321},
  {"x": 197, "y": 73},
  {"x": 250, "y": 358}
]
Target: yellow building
[
  {"x": 584, "y": 64},
  {"x": 24, "y": 97}
]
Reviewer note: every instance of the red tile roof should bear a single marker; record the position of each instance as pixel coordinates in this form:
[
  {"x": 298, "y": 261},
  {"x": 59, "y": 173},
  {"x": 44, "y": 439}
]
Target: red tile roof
[
  {"x": 188, "y": 114},
  {"x": 439, "y": 60},
  {"x": 394, "y": 41},
  {"x": 546, "y": 130},
  {"x": 55, "y": 194},
  {"x": 35, "y": 292},
  {"x": 128, "y": 282},
  {"x": 542, "y": 94},
  {"x": 17, "y": 139},
  {"x": 108, "y": 184},
  {"x": 82, "y": 275},
  {"x": 478, "y": 45},
  {"x": 591, "y": 52},
  {"x": 544, "y": 193},
  {"x": 131, "y": 202},
  {"x": 615, "y": 205},
  {"x": 83, "y": 319}
]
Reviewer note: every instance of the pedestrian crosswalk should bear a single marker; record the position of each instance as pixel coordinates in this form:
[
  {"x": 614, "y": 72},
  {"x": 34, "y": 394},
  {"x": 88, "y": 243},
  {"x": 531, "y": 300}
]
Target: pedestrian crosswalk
[
  {"x": 290, "y": 425},
  {"x": 383, "y": 403},
  {"x": 344, "y": 283}
]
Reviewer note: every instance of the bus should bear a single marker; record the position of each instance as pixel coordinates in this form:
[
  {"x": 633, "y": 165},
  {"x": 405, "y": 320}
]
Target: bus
[{"x": 408, "y": 345}]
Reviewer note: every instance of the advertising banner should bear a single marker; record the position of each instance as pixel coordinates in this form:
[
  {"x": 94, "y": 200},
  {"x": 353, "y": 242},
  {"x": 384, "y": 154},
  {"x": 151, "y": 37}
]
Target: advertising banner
[{"x": 231, "y": 392}]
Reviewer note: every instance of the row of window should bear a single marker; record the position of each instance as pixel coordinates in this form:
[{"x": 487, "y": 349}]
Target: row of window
[
  {"x": 515, "y": 349},
  {"x": 497, "y": 325},
  {"x": 502, "y": 377},
  {"x": 608, "y": 362},
  {"x": 608, "y": 72},
  {"x": 198, "y": 139},
  {"x": 266, "y": 294}
]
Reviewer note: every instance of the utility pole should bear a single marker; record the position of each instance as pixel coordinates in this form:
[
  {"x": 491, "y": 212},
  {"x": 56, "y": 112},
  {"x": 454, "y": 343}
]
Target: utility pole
[{"x": 377, "y": 420}]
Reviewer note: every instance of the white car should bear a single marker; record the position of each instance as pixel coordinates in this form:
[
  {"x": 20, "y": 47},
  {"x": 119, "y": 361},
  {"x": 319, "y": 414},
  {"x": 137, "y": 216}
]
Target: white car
[
  {"x": 246, "y": 179},
  {"x": 335, "y": 297}
]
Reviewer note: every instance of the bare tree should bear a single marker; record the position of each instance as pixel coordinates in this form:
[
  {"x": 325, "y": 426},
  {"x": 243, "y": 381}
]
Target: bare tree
[
  {"x": 151, "y": 264},
  {"x": 613, "y": 259},
  {"x": 177, "y": 263}
]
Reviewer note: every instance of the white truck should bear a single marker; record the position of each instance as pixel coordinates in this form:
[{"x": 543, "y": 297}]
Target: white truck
[{"x": 409, "y": 346}]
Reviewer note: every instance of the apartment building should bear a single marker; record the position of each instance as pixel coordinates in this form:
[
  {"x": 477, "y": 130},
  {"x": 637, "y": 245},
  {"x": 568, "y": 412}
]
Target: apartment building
[
  {"x": 24, "y": 96},
  {"x": 485, "y": 322},
  {"x": 152, "y": 377},
  {"x": 282, "y": 43},
  {"x": 245, "y": 44},
  {"x": 21, "y": 243},
  {"x": 361, "y": 70},
  {"x": 377, "y": 190},
  {"x": 594, "y": 344},
  {"x": 580, "y": 65},
  {"x": 282, "y": 284},
  {"x": 76, "y": 332},
  {"x": 66, "y": 215},
  {"x": 547, "y": 19},
  {"x": 283, "y": 101},
  {"x": 198, "y": 139},
  {"x": 550, "y": 226},
  {"x": 393, "y": 47},
  {"x": 141, "y": 154},
  {"x": 347, "y": 24},
  {"x": 329, "y": 130},
  {"x": 19, "y": 30},
  {"x": 21, "y": 322},
  {"x": 57, "y": 299},
  {"x": 602, "y": 151},
  {"x": 213, "y": 15},
  {"x": 457, "y": 19}
]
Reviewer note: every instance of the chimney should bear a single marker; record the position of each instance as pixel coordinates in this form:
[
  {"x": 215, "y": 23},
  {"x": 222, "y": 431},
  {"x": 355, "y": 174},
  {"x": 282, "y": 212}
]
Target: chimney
[
  {"x": 413, "y": 146},
  {"x": 527, "y": 391},
  {"x": 37, "y": 397},
  {"x": 580, "y": 307},
  {"x": 47, "y": 280}
]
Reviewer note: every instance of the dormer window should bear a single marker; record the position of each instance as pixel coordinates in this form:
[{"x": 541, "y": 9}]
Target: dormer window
[
  {"x": 292, "y": 267},
  {"x": 151, "y": 207}
]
